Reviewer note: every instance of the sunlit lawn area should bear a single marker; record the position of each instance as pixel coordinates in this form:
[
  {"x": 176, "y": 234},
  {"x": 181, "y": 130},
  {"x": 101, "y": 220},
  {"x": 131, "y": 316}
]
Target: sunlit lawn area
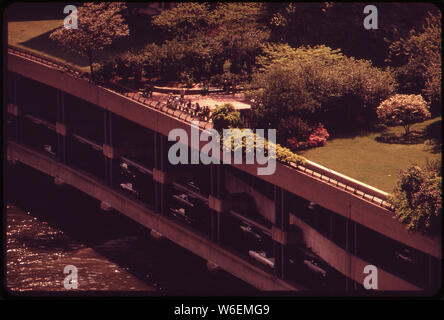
[
  {"x": 378, "y": 163},
  {"x": 34, "y": 36}
]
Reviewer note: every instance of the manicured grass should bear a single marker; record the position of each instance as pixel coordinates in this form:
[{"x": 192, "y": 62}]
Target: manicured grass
[
  {"x": 34, "y": 36},
  {"x": 376, "y": 163}
]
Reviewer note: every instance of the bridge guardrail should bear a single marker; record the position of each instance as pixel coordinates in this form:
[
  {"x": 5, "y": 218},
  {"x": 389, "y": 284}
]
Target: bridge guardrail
[
  {"x": 331, "y": 177},
  {"x": 349, "y": 184}
]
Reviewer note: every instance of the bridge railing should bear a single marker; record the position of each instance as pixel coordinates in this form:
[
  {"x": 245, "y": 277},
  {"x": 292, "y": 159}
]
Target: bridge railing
[
  {"x": 348, "y": 184},
  {"x": 331, "y": 177},
  {"x": 48, "y": 61}
]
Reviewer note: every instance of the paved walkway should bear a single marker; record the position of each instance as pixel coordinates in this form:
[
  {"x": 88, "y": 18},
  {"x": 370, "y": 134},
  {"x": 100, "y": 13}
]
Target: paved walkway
[{"x": 211, "y": 100}]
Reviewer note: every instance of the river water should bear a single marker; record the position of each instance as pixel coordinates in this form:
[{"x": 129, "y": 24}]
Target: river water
[{"x": 49, "y": 227}]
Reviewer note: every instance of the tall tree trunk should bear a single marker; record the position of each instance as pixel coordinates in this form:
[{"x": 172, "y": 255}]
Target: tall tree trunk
[{"x": 407, "y": 129}]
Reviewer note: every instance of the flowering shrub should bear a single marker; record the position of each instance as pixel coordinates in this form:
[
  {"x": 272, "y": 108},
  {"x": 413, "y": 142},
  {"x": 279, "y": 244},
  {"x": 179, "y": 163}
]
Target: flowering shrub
[
  {"x": 403, "y": 109},
  {"x": 317, "y": 138}
]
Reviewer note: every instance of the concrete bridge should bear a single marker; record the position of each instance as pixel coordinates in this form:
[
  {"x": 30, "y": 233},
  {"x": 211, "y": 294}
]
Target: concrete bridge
[{"x": 309, "y": 225}]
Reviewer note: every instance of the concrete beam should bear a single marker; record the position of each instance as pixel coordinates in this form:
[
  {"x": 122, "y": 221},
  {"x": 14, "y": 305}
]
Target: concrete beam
[
  {"x": 162, "y": 176},
  {"x": 218, "y": 205},
  {"x": 11, "y": 160},
  {"x": 59, "y": 181},
  {"x": 109, "y": 151},
  {"x": 211, "y": 266},
  {"x": 169, "y": 177},
  {"x": 238, "y": 202},
  {"x": 105, "y": 206},
  {"x": 61, "y": 129},
  {"x": 292, "y": 236},
  {"x": 346, "y": 263},
  {"x": 279, "y": 236},
  {"x": 13, "y": 109},
  {"x": 156, "y": 234}
]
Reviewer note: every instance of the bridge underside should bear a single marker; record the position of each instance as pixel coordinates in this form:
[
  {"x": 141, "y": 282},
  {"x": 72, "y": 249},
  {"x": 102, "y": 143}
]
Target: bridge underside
[{"x": 141, "y": 213}]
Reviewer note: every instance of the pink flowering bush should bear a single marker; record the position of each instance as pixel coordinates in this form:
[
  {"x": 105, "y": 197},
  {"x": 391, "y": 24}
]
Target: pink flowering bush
[
  {"x": 317, "y": 138},
  {"x": 403, "y": 109}
]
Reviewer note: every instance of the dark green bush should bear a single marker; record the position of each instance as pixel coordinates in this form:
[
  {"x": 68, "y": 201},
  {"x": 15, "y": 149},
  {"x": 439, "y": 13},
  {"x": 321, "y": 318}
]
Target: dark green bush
[
  {"x": 225, "y": 117},
  {"x": 417, "y": 198},
  {"x": 318, "y": 83}
]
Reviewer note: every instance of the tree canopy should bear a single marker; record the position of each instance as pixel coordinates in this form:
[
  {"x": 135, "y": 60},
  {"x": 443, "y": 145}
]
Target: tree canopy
[
  {"x": 99, "y": 24},
  {"x": 316, "y": 82},
  {"x": 418, "y": 59},
  {"x": 214, "y": 33},
  {"x": 417, "y": 198}
]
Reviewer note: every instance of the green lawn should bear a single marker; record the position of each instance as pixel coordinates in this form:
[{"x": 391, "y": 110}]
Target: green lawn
[
  {"x": 376, "y": 163},
  {"x": 33, "y": 35}
]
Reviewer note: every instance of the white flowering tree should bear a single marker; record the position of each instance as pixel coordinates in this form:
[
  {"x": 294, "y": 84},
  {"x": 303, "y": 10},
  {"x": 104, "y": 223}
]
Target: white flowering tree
[
  {"x": 403, "y": 109},
  {"x": 99, "y": 24}
]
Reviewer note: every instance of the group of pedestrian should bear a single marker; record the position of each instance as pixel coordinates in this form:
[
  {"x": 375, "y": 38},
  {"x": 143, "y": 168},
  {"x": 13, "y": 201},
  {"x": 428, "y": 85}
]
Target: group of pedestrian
[
  {"x": 179, "y": 103},
  {"x": 148, "y": 90},
  {"x": 229, "y": 86}
]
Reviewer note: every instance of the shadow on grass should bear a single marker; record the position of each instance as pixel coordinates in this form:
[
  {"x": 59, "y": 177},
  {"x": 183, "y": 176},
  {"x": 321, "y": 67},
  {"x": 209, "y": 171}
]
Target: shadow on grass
[
  {"x": 414, "y": 137},
  {"x": 433, "y": 134},
  {"x": 44, "y": 44},
  {"x": 430, "y": 135}
]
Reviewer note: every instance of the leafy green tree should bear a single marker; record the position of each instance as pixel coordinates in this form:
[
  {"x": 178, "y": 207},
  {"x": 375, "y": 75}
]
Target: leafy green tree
[
  {"x": 316, "y": 82},
  {"x": 417, "y": 198},
  {"x": 418, "y": 59},
  {"x": 99, "y": 24},
  {"x": 225, "y": 117},
  {"x": 281, "y": 92},
  {"x": 299, "y": 24},
  {"x": 214, "y": 33},
  {"x": 403, "y": 109}
]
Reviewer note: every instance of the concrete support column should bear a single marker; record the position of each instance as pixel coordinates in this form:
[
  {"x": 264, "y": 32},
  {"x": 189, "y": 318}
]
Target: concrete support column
[
  {"x": 279, "y": 235},
  {"x": 13, "y": 108},
  {"x": 355, "y": 246},
  {"x": 61, "y": 128},
  {"x": 162, "y": 183},
  {"x": 217, "y": 194},
  {"x": 350, "y": 247},
  {"x": 108, "y": 150}
]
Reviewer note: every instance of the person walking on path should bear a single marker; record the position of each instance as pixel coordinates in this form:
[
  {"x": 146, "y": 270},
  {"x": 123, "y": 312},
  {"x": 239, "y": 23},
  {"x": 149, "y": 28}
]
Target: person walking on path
[
  {"x": 205, "y": 89},
  {"x": 148, "y": 91},
  {"x": 206, "y": 113},
  {"x": 189, "y": 109},
  {"x": 225, "y": 85}
]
